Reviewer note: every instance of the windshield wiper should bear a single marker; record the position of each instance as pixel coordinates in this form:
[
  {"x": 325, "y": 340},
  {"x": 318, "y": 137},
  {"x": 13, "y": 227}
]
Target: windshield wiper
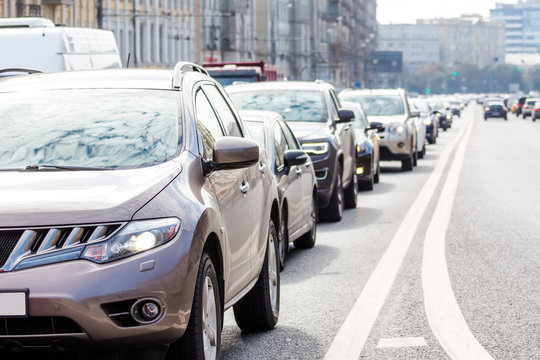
[{"x": 47, "y": 167}]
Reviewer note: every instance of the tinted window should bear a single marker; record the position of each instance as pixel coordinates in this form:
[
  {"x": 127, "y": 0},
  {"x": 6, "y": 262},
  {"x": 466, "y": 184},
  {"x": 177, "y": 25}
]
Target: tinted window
[
  {"x": 92, "y": 127},
  {"x": 207, "y": 124},
  {"x": 378, "y": 105},
  {"x": 291, "y": 105},
  {"x": 291, "y": 140},
  {"x": 224, "y": 111}
]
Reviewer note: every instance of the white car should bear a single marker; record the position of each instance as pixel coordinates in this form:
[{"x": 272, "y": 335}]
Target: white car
[{"x": 420, "y": 132}]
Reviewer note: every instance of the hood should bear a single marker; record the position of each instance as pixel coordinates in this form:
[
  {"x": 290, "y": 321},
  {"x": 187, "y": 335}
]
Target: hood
[
  {"x": 79, "y": 197},
  {"x": 305, "y": 130},
  {"x": 387, "y": 119}
]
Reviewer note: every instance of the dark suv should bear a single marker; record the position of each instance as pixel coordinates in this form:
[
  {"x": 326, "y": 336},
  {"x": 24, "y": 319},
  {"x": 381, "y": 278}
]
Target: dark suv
[
  {"x": 313, "y": 112},
  {"x": 133, "y": 212}
]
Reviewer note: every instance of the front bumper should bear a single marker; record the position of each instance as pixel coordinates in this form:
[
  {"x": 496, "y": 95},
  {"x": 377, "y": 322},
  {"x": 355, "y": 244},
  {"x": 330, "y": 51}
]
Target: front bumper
[
  {"x": 364, "y": 164},
  {"x": 86, "y": 299},
  {"x": 394, "y": 146}
]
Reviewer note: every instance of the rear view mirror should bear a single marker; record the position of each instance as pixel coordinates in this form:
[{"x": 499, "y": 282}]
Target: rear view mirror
[
  {"x": 232, "y": 152},
  {"x": 295, "y": 157},
  {"x": 375, "y": 126},
  {"x": 345, "y": 116}
]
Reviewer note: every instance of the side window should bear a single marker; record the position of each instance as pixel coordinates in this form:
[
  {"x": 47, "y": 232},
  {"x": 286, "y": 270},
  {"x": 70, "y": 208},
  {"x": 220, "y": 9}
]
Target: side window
[
  {"x": 224, "y": 111},
  {"x": 291, "y": 140},
  {"x": 280, "y": 145},
  {"x": 334, "y": 105},
  {"x": 207, "y": 124}
]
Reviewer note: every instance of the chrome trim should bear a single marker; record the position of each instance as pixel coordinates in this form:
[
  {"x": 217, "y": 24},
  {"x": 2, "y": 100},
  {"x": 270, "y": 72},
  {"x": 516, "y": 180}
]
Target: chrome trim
[{"x": 21, "y": 250}]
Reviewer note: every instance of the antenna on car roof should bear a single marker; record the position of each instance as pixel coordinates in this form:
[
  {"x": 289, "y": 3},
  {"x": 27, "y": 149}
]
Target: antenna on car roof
[{"x": 127, "y": 63}]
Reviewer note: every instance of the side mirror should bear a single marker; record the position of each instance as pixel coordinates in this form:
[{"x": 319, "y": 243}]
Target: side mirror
[
  {"x": 415, "y": 113},
  {"x": 231, "y": 152},
  {"x": 345, "y": 116},
  {"x": 295, "y": 157},
  {"x": 375, "y": 126},
  {"x": 435, "y": 112}
]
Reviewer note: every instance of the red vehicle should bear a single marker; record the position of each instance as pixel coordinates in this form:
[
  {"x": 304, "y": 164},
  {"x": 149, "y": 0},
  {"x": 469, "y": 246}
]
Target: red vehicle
[{"x": 228, "y": 72}]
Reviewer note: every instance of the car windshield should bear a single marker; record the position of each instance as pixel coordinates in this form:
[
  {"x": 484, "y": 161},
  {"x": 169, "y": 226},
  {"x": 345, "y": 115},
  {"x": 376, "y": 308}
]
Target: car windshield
[
  {"x": 292, "y": 105},
  {"x": 421, "y": 106},
  {"x": 378, "y": 105},
  {"x": 98, "y": 128}
]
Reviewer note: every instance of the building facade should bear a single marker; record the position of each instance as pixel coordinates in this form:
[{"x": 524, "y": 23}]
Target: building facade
[{"x": 522, "y": 25}]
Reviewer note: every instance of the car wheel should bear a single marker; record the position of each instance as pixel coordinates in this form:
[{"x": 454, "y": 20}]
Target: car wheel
[
  {"x": 202, "y": 339},
  {"x": 259, "y": 309},
  {"x": 334, "y": 210},
  {"x": 422, "y": 153},
  {"x": 283, "y": 245},
  {"x": 351, "y": 193},
  {"x": 308, "y": 240},
  {"x": 377, "y": 174},
  {"x": 408, "y": 164}
]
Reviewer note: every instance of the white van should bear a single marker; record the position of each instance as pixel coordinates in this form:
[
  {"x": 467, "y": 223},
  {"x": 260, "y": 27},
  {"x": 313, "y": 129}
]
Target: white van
[{"x": 37, "y": 44}]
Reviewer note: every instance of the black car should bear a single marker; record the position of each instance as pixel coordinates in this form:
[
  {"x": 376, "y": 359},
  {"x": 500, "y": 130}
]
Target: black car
[
  {"x": 313, "y": 112},
  {"x": 495, "y": 110},
  {"x": 294, "y": 175}
]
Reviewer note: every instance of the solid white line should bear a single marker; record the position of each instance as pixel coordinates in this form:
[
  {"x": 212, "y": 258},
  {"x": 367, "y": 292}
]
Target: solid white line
[
  {"x": 354, "y": 332},
  {"x": 401, "y": 342},
  {"x": 444, "y": 315}
]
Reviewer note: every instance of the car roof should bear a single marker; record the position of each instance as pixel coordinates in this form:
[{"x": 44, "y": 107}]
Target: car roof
[
  {"x": 372, "y": 91},
  {"x": 88, "y": 79},
  {"x": 280, "y": 85}
]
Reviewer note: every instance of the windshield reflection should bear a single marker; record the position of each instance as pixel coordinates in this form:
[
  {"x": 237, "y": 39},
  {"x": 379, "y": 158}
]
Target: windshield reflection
[
  {"x": 291, "y": 105},
  {"x": 91, "y": 128}
]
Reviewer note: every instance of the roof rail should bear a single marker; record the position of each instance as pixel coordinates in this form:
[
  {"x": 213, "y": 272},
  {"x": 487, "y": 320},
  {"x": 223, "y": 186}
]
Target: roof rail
[
  {"x": 29, "y": 71},
  {"x": 181, "y": 68}
]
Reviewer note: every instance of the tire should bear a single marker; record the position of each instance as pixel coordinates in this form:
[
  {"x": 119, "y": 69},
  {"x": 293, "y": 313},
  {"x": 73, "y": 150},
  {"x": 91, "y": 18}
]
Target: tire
[
  {"x": 259, "y": 309},
  {"x": 366, "y": 185},
  {"x": 351, "y": 193},
  {"x": 334, "y": 210},
  {"x": 408, "y": 164},
  {"x": 422, "y": 153},
  {"x": 283, "y": 244},
  {"x": 205, "y": 324},
  {"x": 415, "y": 158},
  {"x": 308, "y": 240},
  {"x": 377, "y": 175}
]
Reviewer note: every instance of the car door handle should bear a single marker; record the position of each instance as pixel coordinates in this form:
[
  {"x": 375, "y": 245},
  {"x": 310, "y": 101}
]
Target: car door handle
[
  {"x": 262, "y": 167},
  {"x": 244, "y": 187},
  {"x": 298, "y": 171}
]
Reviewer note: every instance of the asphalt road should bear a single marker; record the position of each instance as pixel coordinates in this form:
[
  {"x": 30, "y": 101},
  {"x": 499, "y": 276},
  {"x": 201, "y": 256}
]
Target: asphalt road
[
  {"x": 491, "y": 246},
  {"x": 441, "y": 262}
]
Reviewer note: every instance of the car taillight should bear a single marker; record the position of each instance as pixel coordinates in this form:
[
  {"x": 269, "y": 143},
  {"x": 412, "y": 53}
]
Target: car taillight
[
  {"x": 536, "y": 110},
  {"x": 486, "y": 109}
]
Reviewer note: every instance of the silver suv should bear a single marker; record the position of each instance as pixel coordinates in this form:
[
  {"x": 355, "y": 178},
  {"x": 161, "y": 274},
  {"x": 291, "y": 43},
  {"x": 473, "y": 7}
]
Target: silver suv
[
  {"x": 133, "y": 212},
  {"x": 388, "y": 110}
]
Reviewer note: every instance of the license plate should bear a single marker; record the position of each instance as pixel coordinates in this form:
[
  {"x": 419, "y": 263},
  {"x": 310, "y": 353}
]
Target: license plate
[
  {"x": 13, "y": 303},
  {"x": 496, "y": 113}
]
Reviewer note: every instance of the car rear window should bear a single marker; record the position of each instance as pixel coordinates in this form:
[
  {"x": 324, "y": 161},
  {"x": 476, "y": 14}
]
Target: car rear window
[
  {"x": 292, "y": 105},
  {"x": 109, "y": 128},
  {"x": 378, "y": 105}
]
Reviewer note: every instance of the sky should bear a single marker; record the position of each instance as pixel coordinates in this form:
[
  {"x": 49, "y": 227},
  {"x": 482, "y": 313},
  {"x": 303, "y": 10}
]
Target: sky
[{"x": 407, "y": 11}]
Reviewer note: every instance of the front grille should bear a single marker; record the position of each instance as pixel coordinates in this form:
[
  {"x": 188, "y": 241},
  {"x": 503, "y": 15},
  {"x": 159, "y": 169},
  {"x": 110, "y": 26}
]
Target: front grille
[
  {"x": 8, "y": 241},
  {"x": 37, "y": 325},
  {"x": 18, "y": 244}
]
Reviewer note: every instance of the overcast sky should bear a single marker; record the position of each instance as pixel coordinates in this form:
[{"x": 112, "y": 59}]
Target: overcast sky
[{"x": 407, "y": 11}]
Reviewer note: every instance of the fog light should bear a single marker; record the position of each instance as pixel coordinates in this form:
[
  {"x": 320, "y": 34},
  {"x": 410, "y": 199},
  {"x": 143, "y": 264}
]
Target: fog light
[
  {"x": 401, "y": 144},
  {"x": 146, "y": 311},
  {"x": 150, "y": 310},
  {"x": 359, "y": 170}
]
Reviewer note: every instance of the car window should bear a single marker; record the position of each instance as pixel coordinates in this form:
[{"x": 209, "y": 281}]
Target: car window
[
  {"x": 225, "y": 113},
  {"x": 129, "y": 128},
  {"x": 292, "y": 105},
  {"x": 379, "y": 105},
  {"x": 207, "y": 124},
  {"x": 334, "y": 109},
  {"x": 256, "y": 129},
  {"x": 280, "y": 146},
  {"x": 291, "y": 140}
]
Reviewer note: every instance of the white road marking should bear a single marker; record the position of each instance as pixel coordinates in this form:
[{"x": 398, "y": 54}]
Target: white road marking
[
  {"x": 401, "y": 342},
  {"x": 444, "y": 315},
  {"x": 354, "y": 332}
]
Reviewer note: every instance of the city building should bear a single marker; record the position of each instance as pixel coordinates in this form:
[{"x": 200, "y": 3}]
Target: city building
[
  {"x": 470, "y": 39},
  {"x": 522, "y": 25},
  {"x": 419, "y": 43}
]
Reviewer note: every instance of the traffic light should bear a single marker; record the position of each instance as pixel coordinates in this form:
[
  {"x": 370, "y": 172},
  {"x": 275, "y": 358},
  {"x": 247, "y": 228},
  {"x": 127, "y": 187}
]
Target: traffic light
[
  {"x": 455, "y": 73},
  {"x": 428, "y": 91},
  {"x": 518, "y": 68}
]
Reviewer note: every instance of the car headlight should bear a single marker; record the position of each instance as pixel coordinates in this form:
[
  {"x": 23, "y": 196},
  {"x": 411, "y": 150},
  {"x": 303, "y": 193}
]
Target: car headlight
[
  {"x": 397, "y": 129},
  {"x": 316, "y": 148},
  {"x": 427, "y": 121},
  {"x": 134, "y": 238},
  {"x": 360, "y": 148}
]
